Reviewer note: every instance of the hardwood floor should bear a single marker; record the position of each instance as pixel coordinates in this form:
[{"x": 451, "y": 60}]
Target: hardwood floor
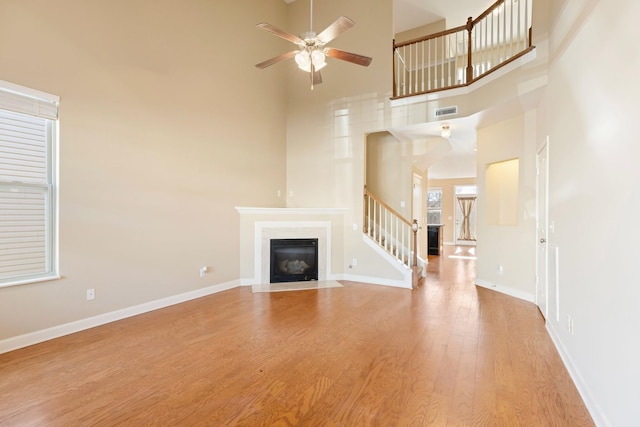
[{"x": 445, "y": 354}]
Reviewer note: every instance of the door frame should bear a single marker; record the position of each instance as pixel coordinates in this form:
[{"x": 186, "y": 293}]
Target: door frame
[
  {"x": 418, "y": 211},
  {"x": 542, "y": 231}
]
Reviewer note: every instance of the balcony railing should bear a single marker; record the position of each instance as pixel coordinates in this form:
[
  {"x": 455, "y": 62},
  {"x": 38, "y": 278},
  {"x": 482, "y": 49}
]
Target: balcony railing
[{"x": 459, "y": 56}]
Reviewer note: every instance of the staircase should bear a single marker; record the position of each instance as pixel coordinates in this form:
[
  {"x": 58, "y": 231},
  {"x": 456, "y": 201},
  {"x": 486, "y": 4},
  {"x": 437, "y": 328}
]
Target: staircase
[{"x": 392, "y": 232}]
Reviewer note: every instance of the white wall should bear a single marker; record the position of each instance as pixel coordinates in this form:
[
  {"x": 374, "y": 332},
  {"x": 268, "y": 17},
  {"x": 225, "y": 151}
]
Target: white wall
[{"x": 593, "y": 126}]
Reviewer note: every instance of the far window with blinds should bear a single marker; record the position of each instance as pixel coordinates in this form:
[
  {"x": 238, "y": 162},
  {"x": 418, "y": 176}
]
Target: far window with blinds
[{"x": 28, "y": 185}]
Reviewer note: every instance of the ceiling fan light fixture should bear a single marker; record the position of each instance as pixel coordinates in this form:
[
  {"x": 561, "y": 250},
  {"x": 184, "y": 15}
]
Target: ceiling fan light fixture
[
  {"x": 318, "y": 59},
  {"x": 303, "y": 60},
  {"x": 312, "y": 51},
  {"x": 446, "y": 131}
]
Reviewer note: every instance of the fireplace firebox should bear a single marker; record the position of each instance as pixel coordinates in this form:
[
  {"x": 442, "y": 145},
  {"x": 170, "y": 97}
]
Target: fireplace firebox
[{"x": 294, "y": 260}]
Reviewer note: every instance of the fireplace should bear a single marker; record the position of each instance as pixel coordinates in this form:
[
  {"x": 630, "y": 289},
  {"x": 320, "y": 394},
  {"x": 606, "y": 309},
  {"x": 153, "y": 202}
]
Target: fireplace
[{"x": 294, "y": 260}]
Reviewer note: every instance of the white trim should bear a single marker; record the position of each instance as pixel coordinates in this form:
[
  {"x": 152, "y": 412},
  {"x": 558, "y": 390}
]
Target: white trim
[
  {"x": 287, "y": 211},
  {"x": 32, "y": 280},
  {"x": 406, "y": 282},
  {"x": 516, "y": 293},
  {"x": 259, "y": 228},
  {"x": 594, "y": 409},
  {"x": 26, "y": 91},
  {"x": 465, "y": 90},
  {"x": 36, "y": 337},
  {"x": 368, "y": 280}
]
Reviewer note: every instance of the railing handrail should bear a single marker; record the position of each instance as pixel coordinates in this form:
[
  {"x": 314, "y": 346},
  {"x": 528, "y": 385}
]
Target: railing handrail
[
  {"x": 432, "y": 36},
  {"x": 459, "y": 56},
  {"x": 388, "y": 228},
  {"x": 386, "y": 206},
  {"x": 484, "y": 14}
]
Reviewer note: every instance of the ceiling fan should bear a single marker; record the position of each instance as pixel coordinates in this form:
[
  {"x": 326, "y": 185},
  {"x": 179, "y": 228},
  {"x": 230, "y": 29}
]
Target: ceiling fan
[{"x": 313, "y": 51}]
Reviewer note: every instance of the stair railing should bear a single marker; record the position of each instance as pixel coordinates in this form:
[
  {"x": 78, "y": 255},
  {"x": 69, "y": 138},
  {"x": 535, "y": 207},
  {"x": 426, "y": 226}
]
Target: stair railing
[
  {"x": 388, "y": 228},
  {"x": 460, "y": 56}
]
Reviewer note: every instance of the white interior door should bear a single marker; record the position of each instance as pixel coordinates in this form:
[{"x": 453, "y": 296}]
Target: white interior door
[{"x": 542, "y": 215}]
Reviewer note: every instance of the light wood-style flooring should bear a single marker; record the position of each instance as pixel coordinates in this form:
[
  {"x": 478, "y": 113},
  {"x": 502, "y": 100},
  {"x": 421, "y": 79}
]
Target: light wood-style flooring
[{"x": 446, "y": 354}]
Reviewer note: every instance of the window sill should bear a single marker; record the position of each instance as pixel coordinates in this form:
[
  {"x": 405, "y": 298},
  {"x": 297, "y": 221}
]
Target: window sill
[{"x": 30, "y": 281}]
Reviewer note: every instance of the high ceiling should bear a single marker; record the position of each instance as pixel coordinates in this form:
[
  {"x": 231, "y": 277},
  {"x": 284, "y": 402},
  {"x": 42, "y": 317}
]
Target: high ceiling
[
  {"x": 410, "y": 14},
  {"x": 456, "y": 156}
]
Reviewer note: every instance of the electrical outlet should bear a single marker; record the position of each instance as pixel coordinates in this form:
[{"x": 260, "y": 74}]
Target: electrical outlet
[
  {"x": 570, "y": 324},
  {"x": 91, "y": 294},
  {"x": 203, "y": 271},
  {"x": 500, "y": 270},
  {"x": 354, "y": 262}
]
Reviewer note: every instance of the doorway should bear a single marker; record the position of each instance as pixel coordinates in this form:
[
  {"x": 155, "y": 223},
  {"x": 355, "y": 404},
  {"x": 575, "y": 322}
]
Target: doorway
[{"x": 465, "y": 214}]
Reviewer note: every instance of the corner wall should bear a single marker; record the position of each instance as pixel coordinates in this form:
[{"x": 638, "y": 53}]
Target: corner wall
[{"x": 164, "y": 129}]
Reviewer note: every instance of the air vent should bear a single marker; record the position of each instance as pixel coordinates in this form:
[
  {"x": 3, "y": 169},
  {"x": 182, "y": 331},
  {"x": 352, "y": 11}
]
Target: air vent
[{"x": 446, "y": 111}]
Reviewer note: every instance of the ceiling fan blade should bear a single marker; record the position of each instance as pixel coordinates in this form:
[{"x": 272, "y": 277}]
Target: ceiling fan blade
[
  {"x": 348, "y": 56},
  {"x": 277, "y": 59},
  {"x": 341, "y": 25},
  {"x": 280, "y": 33}
]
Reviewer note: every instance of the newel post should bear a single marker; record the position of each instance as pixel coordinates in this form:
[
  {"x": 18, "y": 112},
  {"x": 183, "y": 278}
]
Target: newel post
[
  {"x": 414, "y": 228},
  {"x": 469, "y": 59}
]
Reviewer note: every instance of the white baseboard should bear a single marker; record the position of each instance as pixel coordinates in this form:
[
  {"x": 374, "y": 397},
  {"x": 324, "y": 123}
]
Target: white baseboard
[
  {"x": 36, "y": 337},
  {"x": 374, "y": 280},
  {"x": 516, "y": 293},
  {"x": 594, "y": 409}
]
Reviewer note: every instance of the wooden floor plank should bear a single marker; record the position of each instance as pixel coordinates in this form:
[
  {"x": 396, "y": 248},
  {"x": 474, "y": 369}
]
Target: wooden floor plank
[{"x": 445, "y": 354}]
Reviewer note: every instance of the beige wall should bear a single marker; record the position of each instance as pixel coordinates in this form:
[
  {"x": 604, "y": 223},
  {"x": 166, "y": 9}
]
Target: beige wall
[
  {"x": 423, "y": 30},
  {"x": 165, "y": 127},
  {"x": 389, "y": 174},
  {"x": 509, "y": 246},
  {"x": 448, "y": 204},
  {"x": 325, "y": 160}
]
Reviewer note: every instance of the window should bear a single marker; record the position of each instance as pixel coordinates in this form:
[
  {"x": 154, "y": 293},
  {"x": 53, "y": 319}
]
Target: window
[
  {"x": 28, "y": 179},
  {"x": 434, "y": 206}
]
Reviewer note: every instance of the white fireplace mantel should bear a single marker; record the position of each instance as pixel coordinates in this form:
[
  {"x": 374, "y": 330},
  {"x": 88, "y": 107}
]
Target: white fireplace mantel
[
  {"x": 285, "y": 223},
  {"x": 290, "y": 211}
]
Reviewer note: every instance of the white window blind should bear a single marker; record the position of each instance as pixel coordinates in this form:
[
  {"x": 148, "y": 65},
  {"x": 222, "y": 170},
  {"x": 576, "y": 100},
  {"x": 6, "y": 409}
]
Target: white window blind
[{"x": 28, "y": 193}]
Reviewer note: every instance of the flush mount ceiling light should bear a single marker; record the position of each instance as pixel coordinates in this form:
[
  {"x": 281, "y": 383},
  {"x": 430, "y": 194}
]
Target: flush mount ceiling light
[
  {"x": 312, "y": 53},
  {"x": 446, "y": 131}
]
